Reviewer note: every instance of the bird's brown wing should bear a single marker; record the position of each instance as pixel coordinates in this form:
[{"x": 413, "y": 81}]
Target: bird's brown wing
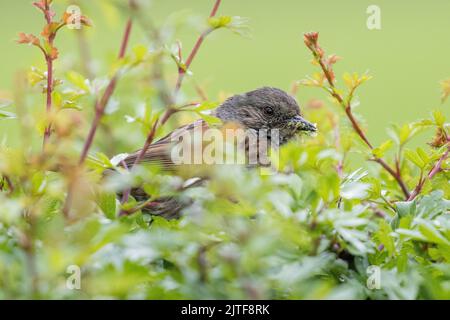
[{"x": 159, "y": 152}]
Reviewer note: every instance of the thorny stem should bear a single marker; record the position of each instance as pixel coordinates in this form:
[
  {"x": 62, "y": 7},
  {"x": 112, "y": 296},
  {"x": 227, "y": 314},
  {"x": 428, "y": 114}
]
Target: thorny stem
[
  {"x": 47, "y": 14},
  {"x": 311, "y": 42},
  {"x": 49, "y": 60}
]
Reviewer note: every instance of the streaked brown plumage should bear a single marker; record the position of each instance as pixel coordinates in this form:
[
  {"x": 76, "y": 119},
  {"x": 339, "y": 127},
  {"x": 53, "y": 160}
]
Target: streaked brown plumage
[{"x": 264, "y": 108}]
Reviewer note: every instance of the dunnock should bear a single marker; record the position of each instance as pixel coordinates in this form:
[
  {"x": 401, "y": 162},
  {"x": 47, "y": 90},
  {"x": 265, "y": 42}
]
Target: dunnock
[{"x": 263, "y": 109}]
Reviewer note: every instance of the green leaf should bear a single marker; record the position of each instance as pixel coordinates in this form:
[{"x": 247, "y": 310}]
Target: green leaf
[
  {"x": 439, "y": 118},
  {"x": 5, "y": 103},
  {"x": 35, "y": 76},
  {"x": 38, "y": 182},
  {"x": 77, "y": 80},
  {"x": 354, "y": 190},
  {"x": 404, "y": 133},
  {"x": 107, "y": 203},
  {"x": 384, "y": 237},
  {"x": 140, "y": 51},
  {"x": 219, "y": 22},
  {"x": 423, "y": 155},
  {"x": 430, "y": 233},
  {"x": 211, "y": 120},
  {"x": 413, "y": 234},
  {"x": 7, "y": 115},
  {"x": 406, "y": 208},
  {"x": 205, "y": 106},
  {"x": 380, "y": 151},
  {"x": 414, "y": 158}
]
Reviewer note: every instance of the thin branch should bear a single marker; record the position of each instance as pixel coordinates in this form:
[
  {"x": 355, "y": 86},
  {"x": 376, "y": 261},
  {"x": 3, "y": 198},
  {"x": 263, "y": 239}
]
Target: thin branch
[
  {"x": 49, "y": 60},
  {"x": 394, "y": 174},
  {"x": 101, "y": 104},
  {"x": 311, "y": 41},
  {"x": 147, "y": 144},
  {"x": 215, "y": 8},
  {"x": 182, "y": 71},
  {"x": 198, "y": 43},
  {"x": 138, "y": 159}
]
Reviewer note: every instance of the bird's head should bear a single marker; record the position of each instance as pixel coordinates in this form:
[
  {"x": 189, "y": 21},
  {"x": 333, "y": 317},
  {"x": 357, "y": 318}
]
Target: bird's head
[{"x": 266, "y": 108}]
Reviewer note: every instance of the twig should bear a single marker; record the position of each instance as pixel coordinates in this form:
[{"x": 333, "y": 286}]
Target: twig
[
  {"x": 50, "y": 53},
  {"x": 311, "y": 41},
  {"x": 394, "y": 174},
  {"x": 49, "y": 61},
  {"x": 101, "y": 104},
  {"x": 141, "y": 154},
  {"x": 198, "y": 43}
]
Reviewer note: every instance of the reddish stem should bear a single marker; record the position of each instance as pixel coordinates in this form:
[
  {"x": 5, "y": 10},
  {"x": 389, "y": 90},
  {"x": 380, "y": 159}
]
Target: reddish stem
[
  {"x": 48, "y": 17},
  {"x": 215, "y": 8},
  {"x": 147, "y": 144},
  {"x": 126, "y": 39},
  {"x": 356, "y": 127},
  {"x": 49, "y": 60},
  {"x": 182, "y": 71},
  {"x": 198, "y": 43},
  {"x": 141, "y": 154},
  {"x": 101, "y": 105},
  {"x": 318, "y": 53},
  {"x": 394, "y": 174}
]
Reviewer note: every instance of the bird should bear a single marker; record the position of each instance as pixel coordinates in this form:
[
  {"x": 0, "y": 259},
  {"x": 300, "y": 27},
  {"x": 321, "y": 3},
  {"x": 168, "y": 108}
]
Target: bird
[{"x": 261, "y": 112}]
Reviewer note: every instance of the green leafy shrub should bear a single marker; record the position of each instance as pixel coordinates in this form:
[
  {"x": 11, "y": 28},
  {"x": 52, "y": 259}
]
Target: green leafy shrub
[{"x": 309, "y": 231}]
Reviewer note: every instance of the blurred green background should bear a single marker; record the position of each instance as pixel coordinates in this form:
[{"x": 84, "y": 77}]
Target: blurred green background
[{"x": 407, "y": 57}]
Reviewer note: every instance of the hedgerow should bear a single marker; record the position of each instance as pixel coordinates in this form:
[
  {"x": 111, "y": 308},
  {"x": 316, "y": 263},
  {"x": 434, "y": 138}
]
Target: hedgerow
[{"x": 319, "y": 227}]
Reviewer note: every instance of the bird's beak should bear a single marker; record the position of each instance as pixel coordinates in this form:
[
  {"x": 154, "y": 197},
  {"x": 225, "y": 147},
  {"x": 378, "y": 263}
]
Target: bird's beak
[{"x": 301, "y": 124}]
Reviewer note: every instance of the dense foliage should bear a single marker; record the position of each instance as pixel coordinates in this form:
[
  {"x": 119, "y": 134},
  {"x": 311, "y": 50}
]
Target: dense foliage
[{"x": 336, "y": 205}]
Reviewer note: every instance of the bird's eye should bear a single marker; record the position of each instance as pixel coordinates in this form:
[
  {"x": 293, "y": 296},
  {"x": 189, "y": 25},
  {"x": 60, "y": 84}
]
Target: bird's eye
[{"x": 268, "y": 110}]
